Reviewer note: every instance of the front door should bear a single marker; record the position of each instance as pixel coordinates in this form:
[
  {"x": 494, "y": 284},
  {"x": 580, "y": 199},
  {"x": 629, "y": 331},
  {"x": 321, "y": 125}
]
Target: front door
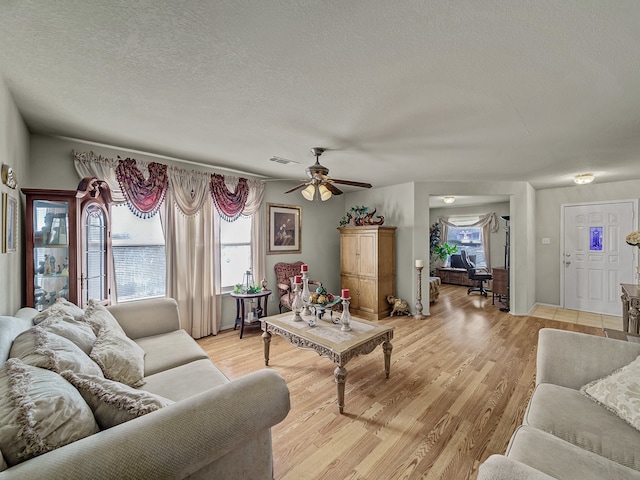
[{"x": 596, "y": 259}]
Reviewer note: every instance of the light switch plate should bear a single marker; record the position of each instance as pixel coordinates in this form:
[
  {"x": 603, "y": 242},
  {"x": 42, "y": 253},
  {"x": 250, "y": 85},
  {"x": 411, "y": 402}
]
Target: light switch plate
[{"x": 546, "y": 241}]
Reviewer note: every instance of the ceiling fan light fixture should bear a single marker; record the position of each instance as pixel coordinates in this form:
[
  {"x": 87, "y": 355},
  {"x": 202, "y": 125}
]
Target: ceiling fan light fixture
[
  {"x": 325, "y": 193},
  {"x": 309, "y": 192},
  {"x": 584, "y": 178},
  {"x": 449, "y": 199}
]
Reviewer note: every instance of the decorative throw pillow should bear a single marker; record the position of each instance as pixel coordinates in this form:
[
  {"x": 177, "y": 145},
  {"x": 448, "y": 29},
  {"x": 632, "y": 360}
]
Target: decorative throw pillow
[
  {"x": 78, "y": 331},
  {"x": 120, "y": 358},
  {"x": 112, "y": 402},
  {"x": 619, "y": 392},
  {"x": 40, "y": 412},
  {"x": 43, "y": 349},
  {"x": 99, "y": 317},
  {"x": 60, "y": 306}
]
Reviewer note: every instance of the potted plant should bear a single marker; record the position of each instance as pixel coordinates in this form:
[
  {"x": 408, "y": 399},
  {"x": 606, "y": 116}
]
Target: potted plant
[{"x": 444, "y": 250}]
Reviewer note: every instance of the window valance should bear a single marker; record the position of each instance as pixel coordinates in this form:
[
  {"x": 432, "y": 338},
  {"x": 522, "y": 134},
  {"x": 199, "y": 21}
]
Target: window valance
[
  {"x": 144, "y": 185},
  {"x": 144, "y": 195}
]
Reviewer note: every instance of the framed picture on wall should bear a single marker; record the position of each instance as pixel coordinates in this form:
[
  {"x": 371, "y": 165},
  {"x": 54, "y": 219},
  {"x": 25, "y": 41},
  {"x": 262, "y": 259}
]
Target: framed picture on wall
[
  {"x": 284, "y": 228},
  {"x": 9, "y": 223}
]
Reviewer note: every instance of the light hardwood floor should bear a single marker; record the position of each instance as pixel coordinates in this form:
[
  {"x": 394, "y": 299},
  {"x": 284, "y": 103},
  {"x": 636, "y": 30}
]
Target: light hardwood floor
[{"x": 459, "y": 384}]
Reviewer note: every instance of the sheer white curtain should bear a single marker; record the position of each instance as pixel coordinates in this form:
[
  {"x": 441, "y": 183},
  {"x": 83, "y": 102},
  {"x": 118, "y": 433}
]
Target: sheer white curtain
[{"x": 488, "y": 223}]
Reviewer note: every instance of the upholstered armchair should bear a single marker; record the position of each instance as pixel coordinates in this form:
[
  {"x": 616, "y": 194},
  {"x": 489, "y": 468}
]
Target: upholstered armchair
[{"x": 284, "y": 277}]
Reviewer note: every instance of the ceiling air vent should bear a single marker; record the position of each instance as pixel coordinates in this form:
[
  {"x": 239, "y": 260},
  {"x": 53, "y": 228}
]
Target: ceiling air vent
[{"x": 281, "y": 160}]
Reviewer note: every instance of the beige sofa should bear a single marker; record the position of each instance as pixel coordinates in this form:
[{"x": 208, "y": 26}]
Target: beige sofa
[
  {"x": 215, "y": 429},
  {"x": 565, "y": 434}
]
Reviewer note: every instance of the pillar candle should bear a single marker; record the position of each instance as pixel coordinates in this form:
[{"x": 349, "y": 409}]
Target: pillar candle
[
  {"x": 345, "y": 293},
  {"x": 297, "y": 279},
  {"x": 304, "y": 267},
  {"x": 419, "y": 263}
]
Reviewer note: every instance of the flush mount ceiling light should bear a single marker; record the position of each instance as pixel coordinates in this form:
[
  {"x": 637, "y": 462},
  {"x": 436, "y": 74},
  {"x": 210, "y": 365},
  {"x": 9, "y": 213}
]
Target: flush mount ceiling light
[
  {"x": 583, "y": 178},
  {"x": 449, "y": 199}
]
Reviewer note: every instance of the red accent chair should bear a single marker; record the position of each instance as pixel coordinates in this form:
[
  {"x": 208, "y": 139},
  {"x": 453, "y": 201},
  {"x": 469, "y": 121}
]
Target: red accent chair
[{"x": 284, "y": 278}]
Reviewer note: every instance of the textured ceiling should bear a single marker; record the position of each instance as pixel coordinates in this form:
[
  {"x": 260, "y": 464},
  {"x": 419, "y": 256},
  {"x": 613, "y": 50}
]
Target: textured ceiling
[{"x": 400, "y": 91}]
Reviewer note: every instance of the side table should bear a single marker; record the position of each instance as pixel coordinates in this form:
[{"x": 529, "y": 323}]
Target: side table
[{"x": 262, "y": 299}]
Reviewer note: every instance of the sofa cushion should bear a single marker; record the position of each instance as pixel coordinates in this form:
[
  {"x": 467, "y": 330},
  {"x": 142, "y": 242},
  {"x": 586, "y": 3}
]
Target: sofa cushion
[
  {"x": 41, "y": 411},
  {"x": 40, "y": 348},
  {"x": 186, "y": 380},
  {"x": 10, "y": 328},
  {"x": 169, "y": 350},
  {"x": 99, "y": 317},
  {"x": 60, "y": 306},
  {"x": 119, "y": 357},
  {"x": 113, "y": 403},
  {"x": 619, "y": 393},
  {"x": 78, "y": 331},
  {"x": 562, "y": 460},
  {"x": 569, "y": 415}
]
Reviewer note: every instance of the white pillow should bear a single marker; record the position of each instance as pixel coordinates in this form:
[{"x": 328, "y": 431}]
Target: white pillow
[
  {"x": 43, "y": 349},
  {"x": 112, "y": 402},
  {"x": 99, "y": 317},
  {"x": 78, "y": 331},
  {"x": 120, "y": 358},
  {"x": 40, "y": 412},
  {"x": 60, "y": 306},
  {"x": 619, "y": 392}
]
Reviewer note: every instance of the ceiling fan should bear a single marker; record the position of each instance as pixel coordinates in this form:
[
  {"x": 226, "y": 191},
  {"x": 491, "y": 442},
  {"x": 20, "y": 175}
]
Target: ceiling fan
[{"x": 320, "y": 182}]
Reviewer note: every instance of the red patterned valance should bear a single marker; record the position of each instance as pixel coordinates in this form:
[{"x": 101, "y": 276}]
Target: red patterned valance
[
  {"x": 229, "y": 204},
  {"x": 144, "y": 197}
]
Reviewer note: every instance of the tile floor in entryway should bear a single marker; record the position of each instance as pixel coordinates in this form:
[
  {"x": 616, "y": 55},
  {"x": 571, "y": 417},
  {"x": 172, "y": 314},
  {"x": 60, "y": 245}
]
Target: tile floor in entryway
[{"x": 575, "y": 316}]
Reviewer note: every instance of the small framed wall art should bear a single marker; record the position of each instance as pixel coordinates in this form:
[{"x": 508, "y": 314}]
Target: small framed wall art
[
  {"x": 284, "y": 228},
  {"x": 9, "y": 223}
]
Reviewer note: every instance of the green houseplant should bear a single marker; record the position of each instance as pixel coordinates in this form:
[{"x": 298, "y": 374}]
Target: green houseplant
[{"x": 443, "y": 251}]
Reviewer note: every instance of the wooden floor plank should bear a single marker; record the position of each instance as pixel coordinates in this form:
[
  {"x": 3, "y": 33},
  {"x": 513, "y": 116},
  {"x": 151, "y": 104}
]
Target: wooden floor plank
[{"x": 459, "y": 385}]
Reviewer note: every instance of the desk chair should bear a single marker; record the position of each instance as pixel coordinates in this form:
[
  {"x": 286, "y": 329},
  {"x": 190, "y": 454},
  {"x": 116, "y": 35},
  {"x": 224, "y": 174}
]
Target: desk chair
[{"x": 479, "y": 275}]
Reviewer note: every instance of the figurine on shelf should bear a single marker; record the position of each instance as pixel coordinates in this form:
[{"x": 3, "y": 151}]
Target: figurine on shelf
[
  {"x": 65, "y": 267},
  {"x": 52, "y": 263},
  {"x": 47, "y": 265},
  {"x": 40, "y": 268}
]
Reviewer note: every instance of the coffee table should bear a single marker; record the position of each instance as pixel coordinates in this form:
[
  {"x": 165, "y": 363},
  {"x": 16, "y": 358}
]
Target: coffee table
[{"x": 329, "y": 341}]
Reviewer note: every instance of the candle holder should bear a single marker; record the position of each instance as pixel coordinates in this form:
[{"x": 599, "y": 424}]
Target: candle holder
[
  {"x": 345, "y": 318},
  {"x": 296, "y": 304},
  {"x": 306, "y": 294},
  {"x": 418, "y": 315}
]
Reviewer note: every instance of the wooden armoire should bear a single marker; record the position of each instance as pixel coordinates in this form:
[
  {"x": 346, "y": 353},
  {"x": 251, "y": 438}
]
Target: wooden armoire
[{"x": 367, "y": 269}]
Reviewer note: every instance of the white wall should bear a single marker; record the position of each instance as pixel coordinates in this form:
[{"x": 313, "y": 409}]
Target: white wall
[
  {"x": 14, "y": 151},
  {"x": 548, "y": 220}
]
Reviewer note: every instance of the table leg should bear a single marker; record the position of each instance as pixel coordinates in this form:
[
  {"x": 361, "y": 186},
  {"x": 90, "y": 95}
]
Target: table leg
[
  {"x": 237, "y": 313},
  {"x": 242, "y": 317},
  {"x": 341, "y": 378},
  {"x": 386, "y": 348},
  {"x": 266, "y": 340}
]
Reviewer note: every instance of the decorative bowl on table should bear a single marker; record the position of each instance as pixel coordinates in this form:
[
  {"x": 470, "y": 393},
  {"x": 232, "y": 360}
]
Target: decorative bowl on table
[{"x": 321, "y": 300}]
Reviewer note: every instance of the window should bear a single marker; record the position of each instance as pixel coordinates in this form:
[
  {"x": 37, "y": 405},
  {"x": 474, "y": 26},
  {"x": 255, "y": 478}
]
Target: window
[
  {"x": 467, "y": 238},
  {"x": 139, "y": 258},
  {"x": 236, "y": 255}
]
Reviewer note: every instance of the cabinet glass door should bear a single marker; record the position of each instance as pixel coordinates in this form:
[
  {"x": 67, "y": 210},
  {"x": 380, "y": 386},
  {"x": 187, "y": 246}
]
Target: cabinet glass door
[
  {"x": 94, "y": 283},
  {"x": 50, "y": 252}
]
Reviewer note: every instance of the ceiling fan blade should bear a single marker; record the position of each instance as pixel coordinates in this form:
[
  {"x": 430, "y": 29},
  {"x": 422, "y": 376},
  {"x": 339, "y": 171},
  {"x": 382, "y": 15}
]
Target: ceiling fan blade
[
  {"x": 332, "y": 188},
  {"x": 354, "y": 184},
  {"x": 297, "y": 188}
]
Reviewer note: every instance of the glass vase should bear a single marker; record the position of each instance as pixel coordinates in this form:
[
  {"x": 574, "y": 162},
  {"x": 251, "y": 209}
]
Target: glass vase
[
  {"x": 296, "y": 304},
  {"x": 345, "y": 318}
]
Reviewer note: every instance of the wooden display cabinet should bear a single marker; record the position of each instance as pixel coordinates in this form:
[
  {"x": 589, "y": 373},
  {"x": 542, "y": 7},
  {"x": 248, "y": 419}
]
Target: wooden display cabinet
[{"x": 68, "y": 244}]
